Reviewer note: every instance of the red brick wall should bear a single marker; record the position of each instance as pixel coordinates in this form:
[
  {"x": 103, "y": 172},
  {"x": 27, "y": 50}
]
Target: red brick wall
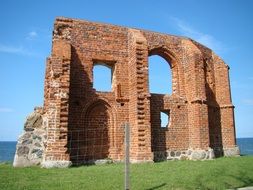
[{"x": 84, "y": 124}]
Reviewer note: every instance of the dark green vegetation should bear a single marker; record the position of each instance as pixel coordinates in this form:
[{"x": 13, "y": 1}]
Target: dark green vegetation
[{"x": 222, "y": 173}]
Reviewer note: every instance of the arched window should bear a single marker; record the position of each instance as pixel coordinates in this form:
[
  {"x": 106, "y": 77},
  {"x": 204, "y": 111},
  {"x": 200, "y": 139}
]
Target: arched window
[
  {"x": 160, "y": 77},
  {"x": 102, "y": 77}
]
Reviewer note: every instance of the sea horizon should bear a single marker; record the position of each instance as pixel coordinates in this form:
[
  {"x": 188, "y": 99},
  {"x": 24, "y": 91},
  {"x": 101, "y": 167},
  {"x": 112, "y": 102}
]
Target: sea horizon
[
  {"x": 8, "y": 148},
  {"x": 16, "y": 140}
]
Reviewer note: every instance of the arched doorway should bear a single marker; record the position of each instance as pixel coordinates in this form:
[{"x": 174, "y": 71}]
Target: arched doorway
[
  {"x": 96, "y": 131},
  {"x": 160, "y": 84},
  {"x": 163, "y": 89}
]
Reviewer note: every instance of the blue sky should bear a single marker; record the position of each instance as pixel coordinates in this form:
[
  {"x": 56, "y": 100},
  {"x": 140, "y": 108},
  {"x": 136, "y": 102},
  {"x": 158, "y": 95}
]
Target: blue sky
[{"x": 226, "y": 26}]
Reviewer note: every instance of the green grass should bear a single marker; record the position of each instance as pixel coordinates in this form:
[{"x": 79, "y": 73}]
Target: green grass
[{"x": 222, "y": 173}]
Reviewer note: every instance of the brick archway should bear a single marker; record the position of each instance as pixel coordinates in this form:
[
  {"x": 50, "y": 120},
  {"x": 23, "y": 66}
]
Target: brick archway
[
  {"x": 168, "y": 103},
  {"x": 92, "y": 140},
  {"x": 171, "y": 58},
  {"x": 97, "y": 124}
]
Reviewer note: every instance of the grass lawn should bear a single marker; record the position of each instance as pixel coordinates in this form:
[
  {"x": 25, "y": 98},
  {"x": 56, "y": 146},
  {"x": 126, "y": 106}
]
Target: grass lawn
[{"x": 222, "y": 173}]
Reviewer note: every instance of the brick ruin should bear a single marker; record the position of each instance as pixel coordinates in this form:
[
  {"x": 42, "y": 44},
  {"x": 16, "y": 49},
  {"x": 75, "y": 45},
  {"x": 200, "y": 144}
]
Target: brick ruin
[{"x": 85, "y": 125}]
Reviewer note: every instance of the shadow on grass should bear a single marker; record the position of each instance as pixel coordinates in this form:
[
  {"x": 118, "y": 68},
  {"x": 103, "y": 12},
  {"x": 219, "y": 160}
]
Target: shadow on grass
[
  {"x": 246, "y": 180},
  {"x": 157, "y": 187}
]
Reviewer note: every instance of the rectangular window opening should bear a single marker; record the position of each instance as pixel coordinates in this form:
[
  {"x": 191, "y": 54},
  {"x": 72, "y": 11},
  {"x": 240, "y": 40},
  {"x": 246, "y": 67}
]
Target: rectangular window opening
[
  {"x": 103, "y": 76},
  {"x": 165, "y": 118}
]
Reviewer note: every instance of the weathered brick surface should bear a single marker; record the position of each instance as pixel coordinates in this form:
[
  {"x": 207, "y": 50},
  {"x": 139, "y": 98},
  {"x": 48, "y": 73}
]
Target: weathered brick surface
[{"x": 84, "y": 124}]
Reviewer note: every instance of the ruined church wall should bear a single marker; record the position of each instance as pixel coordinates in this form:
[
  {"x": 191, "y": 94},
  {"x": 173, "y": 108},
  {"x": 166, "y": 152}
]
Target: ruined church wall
[{"x": 200, "y": 105}]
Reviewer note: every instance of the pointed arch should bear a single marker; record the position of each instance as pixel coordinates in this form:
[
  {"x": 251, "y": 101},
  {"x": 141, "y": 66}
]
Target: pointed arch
[
  {"x": 160, "y": 77},
  {"x": 177, "y": 78},
  {"x": 95, "y": 139}
]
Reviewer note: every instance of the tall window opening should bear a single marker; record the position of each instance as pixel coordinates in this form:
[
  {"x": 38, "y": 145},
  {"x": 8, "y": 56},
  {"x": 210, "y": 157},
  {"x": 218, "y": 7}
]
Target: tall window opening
[
  {"x": 102, "y": 77},
  {"x": 160, "y": 77},
  {"x": 165, "y": 119}
]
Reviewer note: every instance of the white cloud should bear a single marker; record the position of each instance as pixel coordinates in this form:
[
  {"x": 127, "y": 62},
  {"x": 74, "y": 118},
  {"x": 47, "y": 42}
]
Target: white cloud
[
  {"x": 200, "y": 37},
  {"x": 32, "y": 35},
  {"x": 6, "y": 110},
  {"x": 248, "y": 102},
  {"x": 11, "y": 49},
  {"x": 15, "y": 50}
]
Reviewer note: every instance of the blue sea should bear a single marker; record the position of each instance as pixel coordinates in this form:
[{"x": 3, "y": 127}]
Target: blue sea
[
  {"x": 8, "y": 148},
  {"x": 7, "y": 151},
  {"x": 246, "y": 145}
]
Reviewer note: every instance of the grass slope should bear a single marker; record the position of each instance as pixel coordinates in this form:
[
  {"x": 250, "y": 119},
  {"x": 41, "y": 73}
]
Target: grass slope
[{"x": 222, "y": 173}]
